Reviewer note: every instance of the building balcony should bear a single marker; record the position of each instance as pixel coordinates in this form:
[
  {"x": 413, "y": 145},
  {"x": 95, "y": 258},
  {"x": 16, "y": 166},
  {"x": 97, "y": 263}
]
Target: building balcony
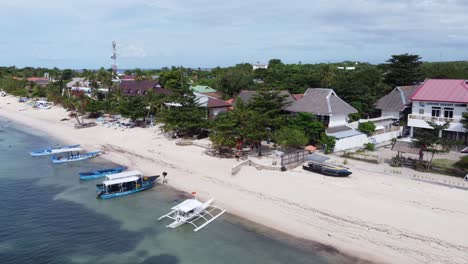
[{"x": 434, "y": 118}]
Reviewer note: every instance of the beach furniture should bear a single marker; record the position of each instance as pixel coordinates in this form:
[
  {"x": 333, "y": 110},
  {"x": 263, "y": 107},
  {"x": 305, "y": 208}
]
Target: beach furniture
[
  {"x": 327, "y": 169},
  {"x": 194, "y": 212},
  {"x": 57, "y": 150},
  {"x": 90, "y": 175},
  {"x": 124, "y": 184},
  {"x": 74, "y": 157}
]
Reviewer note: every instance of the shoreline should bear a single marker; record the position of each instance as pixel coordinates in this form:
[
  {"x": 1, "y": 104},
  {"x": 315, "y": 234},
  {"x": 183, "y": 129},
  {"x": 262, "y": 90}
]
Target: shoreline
[{"x": 370, "y": 216}]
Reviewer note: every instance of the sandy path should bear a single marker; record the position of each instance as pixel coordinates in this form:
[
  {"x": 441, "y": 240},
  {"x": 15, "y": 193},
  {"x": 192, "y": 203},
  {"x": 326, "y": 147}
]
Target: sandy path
[{"x": 381, "y": 217}]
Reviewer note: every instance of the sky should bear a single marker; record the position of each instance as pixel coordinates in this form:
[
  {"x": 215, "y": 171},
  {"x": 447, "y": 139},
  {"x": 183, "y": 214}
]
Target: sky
[{"x": 208, "y": 33}]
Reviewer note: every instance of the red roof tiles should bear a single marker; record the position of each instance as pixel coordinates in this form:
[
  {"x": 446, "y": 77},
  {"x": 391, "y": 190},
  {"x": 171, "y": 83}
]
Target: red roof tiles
[{"x": 442, "y": 90}]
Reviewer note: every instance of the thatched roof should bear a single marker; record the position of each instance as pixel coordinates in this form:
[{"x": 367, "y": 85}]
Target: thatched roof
[{"x": 321, "y": 101}]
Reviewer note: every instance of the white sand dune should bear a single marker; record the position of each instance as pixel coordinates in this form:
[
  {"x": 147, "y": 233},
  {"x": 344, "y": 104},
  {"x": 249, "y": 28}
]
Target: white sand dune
[{"x": 384, "y": 218}]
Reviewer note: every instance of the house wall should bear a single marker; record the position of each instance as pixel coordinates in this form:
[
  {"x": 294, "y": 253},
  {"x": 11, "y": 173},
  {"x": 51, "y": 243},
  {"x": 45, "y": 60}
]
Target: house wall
[
  {"x": 337, "y": 120},
  {"x": 395, "y": 115},
  {"x": 419, "y": 119},
  {"x": 357, "y": 141},
  {"x": 376, "y": 139}
]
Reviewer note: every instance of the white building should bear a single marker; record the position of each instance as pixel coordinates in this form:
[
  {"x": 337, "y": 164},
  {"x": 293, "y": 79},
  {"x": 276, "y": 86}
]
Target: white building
[
  {"x": 440, "y": 101},
  {"x": 258, "y": 65}
]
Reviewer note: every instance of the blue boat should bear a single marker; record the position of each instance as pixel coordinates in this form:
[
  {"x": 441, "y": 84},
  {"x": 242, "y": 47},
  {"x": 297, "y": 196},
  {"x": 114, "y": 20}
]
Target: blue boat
[
  {"x": 57, "y": 150},
  {"x": 100, "y": 173},
  {"x": 74, "y": 157},
  {"x": 124, "y": 186}
]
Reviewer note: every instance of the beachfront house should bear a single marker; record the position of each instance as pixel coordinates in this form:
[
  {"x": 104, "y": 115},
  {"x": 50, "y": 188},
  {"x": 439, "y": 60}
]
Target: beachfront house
[
  {"x": 213, "y": 105},
  {"x": 135, "y": 88},
  {"x": 325, "y": 104},
  {"x": 440, "y": 101},
  {"x": 397, "y": 102}
]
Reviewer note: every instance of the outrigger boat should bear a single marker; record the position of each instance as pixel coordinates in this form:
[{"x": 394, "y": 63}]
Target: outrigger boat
[
  {"x": 327, "y": 169},
  {"x": 124, "y": 183},
  {"x": 193, "y": 212},
  {"x": 74, "y": 157},
  {"x": 100, "y": 173},
  {"x": 57, "y": 150}
]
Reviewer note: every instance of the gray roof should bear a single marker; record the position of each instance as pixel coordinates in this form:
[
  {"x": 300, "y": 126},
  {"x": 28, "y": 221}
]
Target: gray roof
[
  {"x": 246, "y": 95},
  {"x": 342, "y": 132},
  {"x": 321, "y": 101},
  {"x": 397, "y": 99}
]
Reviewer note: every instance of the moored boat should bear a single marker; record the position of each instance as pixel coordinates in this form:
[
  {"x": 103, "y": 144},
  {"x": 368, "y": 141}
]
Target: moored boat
[
  {"x": 327, "y": 169},
  {"x": 116, "y": 187},
  {"x": 57, "y": 150},
  {"x": 74, "y": 157},
  {"x": 89, "y": 175},
  {"x": 194, "y": 212}
]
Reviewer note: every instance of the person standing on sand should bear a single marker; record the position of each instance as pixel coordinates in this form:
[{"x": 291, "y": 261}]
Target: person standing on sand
[{"x": 164, "y": 177}]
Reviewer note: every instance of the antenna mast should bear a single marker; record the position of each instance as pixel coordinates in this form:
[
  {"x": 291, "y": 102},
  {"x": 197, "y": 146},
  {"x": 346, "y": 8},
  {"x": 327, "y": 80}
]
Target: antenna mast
[{"x": 114, "y": 58}]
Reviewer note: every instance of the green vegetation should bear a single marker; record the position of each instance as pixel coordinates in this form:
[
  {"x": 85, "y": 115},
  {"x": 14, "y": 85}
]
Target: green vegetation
[
  {"x": 369, "y": 146},
  {"x": 367, "y": 128},
  {"x": 290, "y": 137},
  {"x": 327, "y": 143}
]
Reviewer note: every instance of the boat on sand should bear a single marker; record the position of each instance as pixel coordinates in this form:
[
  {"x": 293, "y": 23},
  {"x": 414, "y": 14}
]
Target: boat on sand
[{"x": 327, "y": 169}]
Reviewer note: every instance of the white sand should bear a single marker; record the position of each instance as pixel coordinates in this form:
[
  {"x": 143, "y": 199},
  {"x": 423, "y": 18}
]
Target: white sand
[{"x": 384, "y": 218}]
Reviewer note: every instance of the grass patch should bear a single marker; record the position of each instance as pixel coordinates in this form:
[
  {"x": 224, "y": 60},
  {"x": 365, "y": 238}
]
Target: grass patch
[{"x": 443, "y": 163}]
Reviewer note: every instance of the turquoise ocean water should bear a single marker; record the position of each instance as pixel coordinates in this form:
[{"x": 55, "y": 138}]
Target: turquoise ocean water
[{"x": 48, "y": 216}]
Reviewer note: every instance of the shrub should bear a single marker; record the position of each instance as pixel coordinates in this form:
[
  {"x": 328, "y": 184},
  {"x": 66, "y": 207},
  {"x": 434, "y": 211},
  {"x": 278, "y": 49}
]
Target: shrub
[
  {"x": 367, "y": 128},
  {"x": 327, "y": 143},
  {"x": 369, "y": 146},
  {"x": 462, "y": 163},
  {"x": 290, "y": 137}
]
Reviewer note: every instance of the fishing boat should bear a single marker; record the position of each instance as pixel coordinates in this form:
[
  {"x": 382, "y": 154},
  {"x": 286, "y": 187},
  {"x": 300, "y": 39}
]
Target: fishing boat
[
  {"x": 41, "y": 104},
  {"x": 116, "y": 186},
  {"x": 74, "y": 157},
  {"x": 327, "y": 169},
  {"x": 57, "y": 150},
  {"x": 194, "y": 212},
  {"x": 89, "y": 175}
]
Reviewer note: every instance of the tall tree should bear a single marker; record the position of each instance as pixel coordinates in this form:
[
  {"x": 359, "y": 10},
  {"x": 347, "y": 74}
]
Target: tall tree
[
  {"x": 235, "y": 79},
  {"x": 403, "y": 69}
]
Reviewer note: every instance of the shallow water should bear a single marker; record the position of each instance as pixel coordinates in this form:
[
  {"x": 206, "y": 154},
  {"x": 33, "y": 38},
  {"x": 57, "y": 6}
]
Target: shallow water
[{"x": 48, "y": 215}]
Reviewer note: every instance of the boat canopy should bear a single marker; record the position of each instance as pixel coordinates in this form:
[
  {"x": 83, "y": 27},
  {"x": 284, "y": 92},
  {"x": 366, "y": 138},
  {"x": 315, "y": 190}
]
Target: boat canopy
[
  {"x": 124, "y": 174},
  {"x": 121, "y": 180},
  {"x": 187, "y": 205}
]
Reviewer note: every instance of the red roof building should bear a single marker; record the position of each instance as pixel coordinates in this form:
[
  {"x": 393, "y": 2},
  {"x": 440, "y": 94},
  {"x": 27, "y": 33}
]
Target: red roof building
[{"x": 442, "y": 90}]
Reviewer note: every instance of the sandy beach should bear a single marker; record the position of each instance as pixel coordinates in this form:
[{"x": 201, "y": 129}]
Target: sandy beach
[{"x": 373, "y": 215}]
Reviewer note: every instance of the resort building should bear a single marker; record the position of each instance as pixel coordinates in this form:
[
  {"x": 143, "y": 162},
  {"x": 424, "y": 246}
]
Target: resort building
[
  {"x": 214, "y": 105},
  {"x": 440, "y": 101},
  {"x": 395, "y": 103},
  {"x": 325, "y": 105},
  {"x": 134, "y": 88}
]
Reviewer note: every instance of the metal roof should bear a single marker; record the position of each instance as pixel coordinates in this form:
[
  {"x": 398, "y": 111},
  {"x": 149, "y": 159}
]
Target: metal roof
[
  {"x": 124, "y": 175},
  {"x": 187, "y": 205},
  {"x": 202, "y": 89},
  {"x": 442, "y": 90},
  {"x": 321, "y": 101},
  {"x": 397, "y": 99},
  {"x": 121, "y": 180}
]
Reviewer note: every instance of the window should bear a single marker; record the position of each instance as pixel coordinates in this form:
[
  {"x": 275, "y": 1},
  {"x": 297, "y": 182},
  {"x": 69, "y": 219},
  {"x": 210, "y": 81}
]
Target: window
[
  {"x": 421, "y": 111},
  {"x": 448, "y": 112},
  {"x": 435, "y": 111}
]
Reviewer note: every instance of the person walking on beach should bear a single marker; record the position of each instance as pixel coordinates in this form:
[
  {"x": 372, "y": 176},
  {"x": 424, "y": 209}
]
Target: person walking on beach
[{"x": 164, "y": 177}]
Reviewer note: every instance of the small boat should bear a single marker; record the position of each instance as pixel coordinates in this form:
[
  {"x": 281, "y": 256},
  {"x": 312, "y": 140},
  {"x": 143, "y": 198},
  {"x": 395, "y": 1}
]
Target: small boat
[
  {"x": 327, "y": 169},
  {"x": 57, "y": 150},
  {"x": 194, "y": 212},
  {"x": 117, "y": 186},
  {"x": 74, "y": 157},
  {"x": 41, "y": 104},
  {"x": 101, "y": 173}
]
